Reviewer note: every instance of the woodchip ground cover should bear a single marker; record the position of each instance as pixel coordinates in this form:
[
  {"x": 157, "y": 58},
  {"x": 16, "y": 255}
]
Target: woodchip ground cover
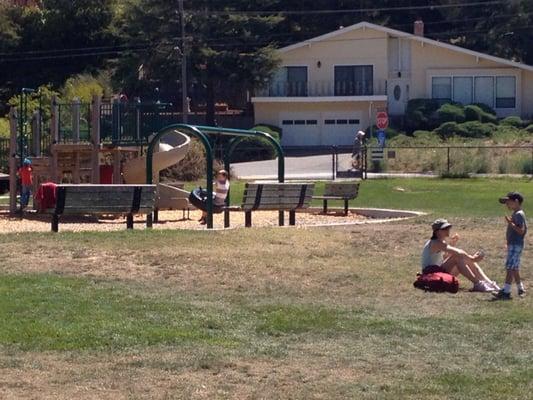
[{"x": 265, "y": 313}]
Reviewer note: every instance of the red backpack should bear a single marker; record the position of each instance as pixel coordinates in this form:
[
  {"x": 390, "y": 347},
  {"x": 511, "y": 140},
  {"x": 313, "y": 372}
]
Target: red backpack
[{"x": 437, "y": 282}]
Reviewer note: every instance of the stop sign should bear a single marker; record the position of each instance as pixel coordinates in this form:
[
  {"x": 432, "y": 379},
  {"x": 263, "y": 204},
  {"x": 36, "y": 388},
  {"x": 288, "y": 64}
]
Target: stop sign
[{"x": 382, "y": 120}]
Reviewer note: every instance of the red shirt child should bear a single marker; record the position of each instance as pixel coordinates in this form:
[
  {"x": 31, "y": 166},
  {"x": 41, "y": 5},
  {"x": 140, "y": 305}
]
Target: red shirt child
[{"x": 26, "y": 174}]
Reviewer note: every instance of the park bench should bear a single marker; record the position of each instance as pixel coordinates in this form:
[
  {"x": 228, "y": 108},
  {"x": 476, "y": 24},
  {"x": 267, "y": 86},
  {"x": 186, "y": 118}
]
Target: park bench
[
  {"x": 339, "y": 191},
  {"x": 103, "y": 200},
  {"x": 276, "y": 197}
]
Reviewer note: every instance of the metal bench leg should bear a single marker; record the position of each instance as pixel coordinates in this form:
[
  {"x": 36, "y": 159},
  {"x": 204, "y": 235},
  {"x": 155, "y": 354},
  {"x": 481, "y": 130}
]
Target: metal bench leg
[
  {"x": 149, "y": 220},
  {"x": 226, "y": 219},
  {"x": 55, "y": 223},
  {"x": 156, "y": 215},
  {"x": 247, "y": 219},
  {"x": 325, "y": 206},
  {"x": 345, "y": 207},
  {"x": 281, "y": 218},
  {"x": 292, "y": 217},
  {"x": 129, "y": 221}
]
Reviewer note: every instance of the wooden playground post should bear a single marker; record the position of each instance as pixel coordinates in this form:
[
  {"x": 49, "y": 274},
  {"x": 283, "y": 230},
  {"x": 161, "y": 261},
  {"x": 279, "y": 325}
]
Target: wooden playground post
[
  {"x": 54, "y": 132},
  {"x": 95, "y": 138},
  {"x": 117, "y": 158},
  {"x": 13, "y": 161}
]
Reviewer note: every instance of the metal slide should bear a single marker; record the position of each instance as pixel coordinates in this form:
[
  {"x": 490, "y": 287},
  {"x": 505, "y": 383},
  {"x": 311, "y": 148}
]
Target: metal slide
[{"x": 168, "y": 197}]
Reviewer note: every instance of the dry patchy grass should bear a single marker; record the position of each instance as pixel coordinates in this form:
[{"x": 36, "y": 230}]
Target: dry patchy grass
[{"x": 290, "y": 313}]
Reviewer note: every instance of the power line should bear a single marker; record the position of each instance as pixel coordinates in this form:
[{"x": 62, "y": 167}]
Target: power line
[
  {"x": 67, "y": 56},
  {"x": 343, "y": 11}
]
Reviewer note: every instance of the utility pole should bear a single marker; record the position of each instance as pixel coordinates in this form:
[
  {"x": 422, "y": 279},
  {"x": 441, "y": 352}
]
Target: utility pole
[{"x": 184, "y": 99}]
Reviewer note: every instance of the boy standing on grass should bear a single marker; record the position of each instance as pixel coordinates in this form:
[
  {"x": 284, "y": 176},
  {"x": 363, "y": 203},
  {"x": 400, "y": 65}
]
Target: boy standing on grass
[{"x": 516, "y": 231}]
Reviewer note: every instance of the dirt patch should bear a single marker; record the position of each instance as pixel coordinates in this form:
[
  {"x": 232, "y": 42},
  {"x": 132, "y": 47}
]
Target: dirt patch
[{"x": 32, "y": 222}]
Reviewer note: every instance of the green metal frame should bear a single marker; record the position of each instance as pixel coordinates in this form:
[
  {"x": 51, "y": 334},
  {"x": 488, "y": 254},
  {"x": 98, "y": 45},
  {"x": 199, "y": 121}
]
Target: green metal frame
[
  {"x": 23, "y": 120},
  {"x": 201, "y": 133}
]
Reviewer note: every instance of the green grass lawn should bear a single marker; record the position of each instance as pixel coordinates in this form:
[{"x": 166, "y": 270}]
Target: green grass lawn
[
  {"x": 323, "y": 313},
  {"x": 450, "y": 197}
]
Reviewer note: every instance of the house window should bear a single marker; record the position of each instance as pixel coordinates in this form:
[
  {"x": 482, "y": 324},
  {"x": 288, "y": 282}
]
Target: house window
[
  {"x": 289, "y": 81},
  {"x": 484, "y": 90},
  {"x": 296, "y": 81},
  {"x": 354, "y": 80},
  {"x": 463, "y": 89},
  {"x": 505, "y": 92},
  {"x": 442, "y": 88}
]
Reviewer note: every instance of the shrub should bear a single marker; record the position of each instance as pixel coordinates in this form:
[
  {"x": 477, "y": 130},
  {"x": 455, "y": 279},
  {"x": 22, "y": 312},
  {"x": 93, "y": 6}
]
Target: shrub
[
  {"x": 470, "y": 129},
  {"x": 448, "y": 129},
  {"x": 529, "y": 128},
  {"x": 513, "y": 121},
  {"x": 420, "y": 114},
  {"x": 476, "y": 113},
  {"x": 475, "y": 129},
  {"x": 257, "y": 149},
  {"x": 451, "y": 113},
  {"x": 485, "y": 108},
  {"x": 192, "y": 167}
]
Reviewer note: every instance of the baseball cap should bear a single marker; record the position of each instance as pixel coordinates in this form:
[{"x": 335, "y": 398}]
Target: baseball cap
[
  {"x": 512, "y": 196},
  {"x": 440, "y": 223},
  {"x": 26, "y": 161}
]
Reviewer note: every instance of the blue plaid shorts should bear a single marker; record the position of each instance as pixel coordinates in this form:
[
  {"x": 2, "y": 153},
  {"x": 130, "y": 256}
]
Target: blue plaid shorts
[{"x": 514, "y": 252}]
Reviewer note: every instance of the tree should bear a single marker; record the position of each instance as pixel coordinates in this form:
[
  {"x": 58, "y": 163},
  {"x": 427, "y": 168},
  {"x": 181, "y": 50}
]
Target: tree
[
  {"x": 53, "y": 42},
  {"x": 226, "y": 53}
]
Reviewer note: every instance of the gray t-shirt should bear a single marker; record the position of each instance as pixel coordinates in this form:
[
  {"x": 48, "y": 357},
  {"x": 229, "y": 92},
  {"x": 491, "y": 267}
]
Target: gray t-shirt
[{"x": 513, "y": 238}]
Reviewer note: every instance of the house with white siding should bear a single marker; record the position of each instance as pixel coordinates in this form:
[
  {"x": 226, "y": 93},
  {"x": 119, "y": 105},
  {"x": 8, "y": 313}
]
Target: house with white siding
[{"x": 330, "y": 86}]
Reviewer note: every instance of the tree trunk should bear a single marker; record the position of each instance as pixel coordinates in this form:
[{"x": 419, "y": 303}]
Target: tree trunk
[{"x": 210, "y": 103}]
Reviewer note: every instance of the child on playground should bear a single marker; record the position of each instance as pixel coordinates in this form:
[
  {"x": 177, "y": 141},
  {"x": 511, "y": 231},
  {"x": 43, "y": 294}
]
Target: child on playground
[
  {"x": 26, "y": 177},
  {"x": 516, "y": 231},
  {"x": 221, "y": 192}
]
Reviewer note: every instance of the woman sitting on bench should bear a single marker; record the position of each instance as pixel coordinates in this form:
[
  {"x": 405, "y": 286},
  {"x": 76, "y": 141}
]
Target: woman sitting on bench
[
  {"x": 219, "y": 196},
  {"x": 440, "y": 255}
]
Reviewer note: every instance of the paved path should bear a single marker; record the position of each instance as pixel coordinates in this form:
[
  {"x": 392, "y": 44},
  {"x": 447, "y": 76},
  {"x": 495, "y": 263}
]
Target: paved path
[{"x": 308, "y": 168}]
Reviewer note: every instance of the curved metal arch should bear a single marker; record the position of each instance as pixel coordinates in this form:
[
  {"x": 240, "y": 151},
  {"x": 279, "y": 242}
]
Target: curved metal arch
[
  {"x": 193, "y": 131},
  {"x": 198, "y": 132}
]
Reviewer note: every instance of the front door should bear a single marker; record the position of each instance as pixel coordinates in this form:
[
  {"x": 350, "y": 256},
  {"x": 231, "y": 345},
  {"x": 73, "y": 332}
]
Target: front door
[{"x": 398, "y": 90}]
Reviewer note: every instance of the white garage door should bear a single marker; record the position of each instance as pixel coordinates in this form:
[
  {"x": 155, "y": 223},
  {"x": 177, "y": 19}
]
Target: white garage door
[
  {"x": 300, "y": 129},
  {"x": 339, "y": 128}
]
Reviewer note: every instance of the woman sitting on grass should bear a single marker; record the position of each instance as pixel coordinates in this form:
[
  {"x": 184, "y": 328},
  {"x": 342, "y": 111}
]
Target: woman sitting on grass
[{"x": 440, "y": 255}]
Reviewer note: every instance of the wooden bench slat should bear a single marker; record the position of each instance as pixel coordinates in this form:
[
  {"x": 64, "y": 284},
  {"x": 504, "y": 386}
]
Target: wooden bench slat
[
  {"x": 276, "y": 196},
  {"x": 250, "y": 202},
  {"x": 278, "y": 191},
  {"x": 89, "y": 202},
  {"x": 104, "y": 199},
  {"x": 103, "y": 211}
]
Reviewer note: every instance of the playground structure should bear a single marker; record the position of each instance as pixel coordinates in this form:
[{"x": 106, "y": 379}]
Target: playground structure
[
  {"x": 115, "y": 143},
  {"x": 72, "y": 147}
]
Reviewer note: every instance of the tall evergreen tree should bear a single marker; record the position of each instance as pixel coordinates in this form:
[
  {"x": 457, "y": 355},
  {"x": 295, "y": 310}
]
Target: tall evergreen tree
[{"x": 226, "y": 53}]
